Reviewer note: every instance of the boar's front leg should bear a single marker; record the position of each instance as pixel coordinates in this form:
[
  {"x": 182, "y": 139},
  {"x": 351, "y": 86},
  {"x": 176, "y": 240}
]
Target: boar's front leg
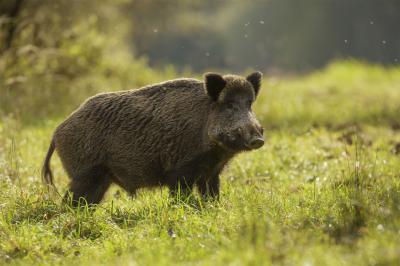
[
  {"x": 209, "y": 187},
  {"x": 181, "y": 187}
]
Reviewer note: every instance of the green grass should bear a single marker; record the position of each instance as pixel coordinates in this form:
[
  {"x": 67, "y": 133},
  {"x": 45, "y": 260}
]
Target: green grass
[{"x": 324, "y": 190}]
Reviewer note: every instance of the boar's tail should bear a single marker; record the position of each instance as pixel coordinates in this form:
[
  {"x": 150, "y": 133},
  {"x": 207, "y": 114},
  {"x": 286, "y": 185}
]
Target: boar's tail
[{"x": 47, "y": 175}]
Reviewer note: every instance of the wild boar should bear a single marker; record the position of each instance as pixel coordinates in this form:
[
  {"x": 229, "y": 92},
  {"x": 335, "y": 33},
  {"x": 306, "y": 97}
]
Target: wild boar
[{"x": 179, "y": 133}]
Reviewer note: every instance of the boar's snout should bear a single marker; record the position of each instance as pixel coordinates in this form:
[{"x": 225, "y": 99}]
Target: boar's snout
[
  {"x": 243, "y": 138},
  {"x": 256, "y": 143},
  {"x": 255, "y": 140}
]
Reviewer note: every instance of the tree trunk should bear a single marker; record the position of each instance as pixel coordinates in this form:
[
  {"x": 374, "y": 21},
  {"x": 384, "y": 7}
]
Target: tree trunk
[{"x": 13, "y": 15}]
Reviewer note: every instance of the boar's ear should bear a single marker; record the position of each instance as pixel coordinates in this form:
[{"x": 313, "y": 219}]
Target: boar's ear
[
  {"x": 214, "y": 84},
  {"x": 255, "y": 80}
]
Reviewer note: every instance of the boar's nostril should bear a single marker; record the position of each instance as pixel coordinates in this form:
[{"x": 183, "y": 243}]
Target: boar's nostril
[
  {"x": 239, "y": 132},
  {"x": 256, "y": 143}
]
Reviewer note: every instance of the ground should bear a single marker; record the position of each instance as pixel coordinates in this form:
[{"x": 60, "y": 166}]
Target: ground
[{"x": 324, "y": 190}]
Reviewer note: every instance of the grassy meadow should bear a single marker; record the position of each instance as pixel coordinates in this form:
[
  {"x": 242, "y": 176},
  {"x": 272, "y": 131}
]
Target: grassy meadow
[{"x": 324, "y": 190}]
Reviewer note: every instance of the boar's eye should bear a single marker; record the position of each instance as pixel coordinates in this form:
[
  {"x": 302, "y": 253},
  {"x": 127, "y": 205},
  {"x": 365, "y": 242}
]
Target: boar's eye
[
  {"x": 230, "y": 105},
  {"x": 249, "y": 103}
]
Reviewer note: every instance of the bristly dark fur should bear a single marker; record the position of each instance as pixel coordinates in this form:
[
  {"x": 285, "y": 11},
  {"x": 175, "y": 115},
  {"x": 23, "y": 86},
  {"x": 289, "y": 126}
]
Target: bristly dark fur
[{"x": 158, "y": 135}]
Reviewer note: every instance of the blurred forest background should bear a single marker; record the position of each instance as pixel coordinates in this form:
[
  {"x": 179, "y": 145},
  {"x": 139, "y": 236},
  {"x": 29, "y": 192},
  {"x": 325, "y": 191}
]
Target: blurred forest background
[
  {"x": 324, "y": 190},
  {"x": 61, "y": 51}
]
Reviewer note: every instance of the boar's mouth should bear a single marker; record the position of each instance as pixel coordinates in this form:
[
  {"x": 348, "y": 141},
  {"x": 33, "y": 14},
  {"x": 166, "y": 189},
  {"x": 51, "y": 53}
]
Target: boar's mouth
[
  {"x": 255, "y": 143},
  {"x": 232, "y": 143}
]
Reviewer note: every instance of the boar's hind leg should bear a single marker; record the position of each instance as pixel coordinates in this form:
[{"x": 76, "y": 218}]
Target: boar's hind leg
[
  {"x": 90, "y": 186},
  {"x": 209, "y": 187}
]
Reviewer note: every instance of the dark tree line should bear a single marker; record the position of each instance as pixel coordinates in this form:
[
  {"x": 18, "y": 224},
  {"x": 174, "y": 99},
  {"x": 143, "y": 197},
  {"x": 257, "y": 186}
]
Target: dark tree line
[
  {"x": 288, "y": 35},
  {"x": 284, "y": 34}
]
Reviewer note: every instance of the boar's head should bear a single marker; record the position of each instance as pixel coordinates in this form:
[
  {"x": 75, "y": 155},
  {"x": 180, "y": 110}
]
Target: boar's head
[{"x": 231, "y": 122}]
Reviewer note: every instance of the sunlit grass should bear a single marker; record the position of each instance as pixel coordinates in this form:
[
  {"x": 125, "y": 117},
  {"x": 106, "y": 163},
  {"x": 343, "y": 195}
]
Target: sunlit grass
[
  {"x": 346, "y": 93},
  {"x": 324, "y": 190}
]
